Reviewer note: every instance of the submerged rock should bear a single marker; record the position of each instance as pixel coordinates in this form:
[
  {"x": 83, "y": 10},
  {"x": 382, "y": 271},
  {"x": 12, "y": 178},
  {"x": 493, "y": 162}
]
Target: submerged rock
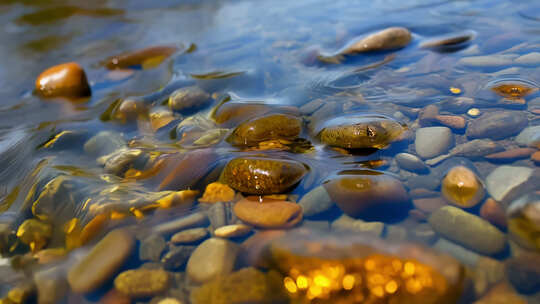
[
  {"x": 213, "y": 258},
  {"x": 411, "y": 163},
  {"x": 462, "y": 187},
  {"x": 340, "y": 267},
  {"x": 269, "y": 127},
  {"x": 468, "y": 230},
  {"x": 247, "y": 285},
  {"x": 35, "y": 233},
  {"x": 529, "y": 137},
  {"x": 268, "y": 214},
  {"x": 497, "y": 125},
  {"x": 505, "y": 182},
  {"x": 449, "y": 42},
  {"x": 524, "y": 221},
  {"x": 472, "y": 149},
  {"x": 189, "y": 235},
  {"x": 63, "y": 80},
  {"x": 142, "y": 283},
  {"x": 433, "y": 141},
  {"x": 360, "y": 131},
  {"x": 316, "y": 201},
  {"x": 104, "y": 143},
  {"x": 138, "y": 58},
  {"x": 257, "y": 175},
  {"x": 524, "y": 272},
  {"x": 369, "y": 195},
  {"x": 188, "y": 98},
  {"x": 105, "y": 258}
]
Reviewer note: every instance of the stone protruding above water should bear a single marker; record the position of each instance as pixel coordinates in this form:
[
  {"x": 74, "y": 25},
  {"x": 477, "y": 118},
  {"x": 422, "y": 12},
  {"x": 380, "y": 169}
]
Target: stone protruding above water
[
  {"x": 360, "y": 131},
  {"x": 149, "y": 56},
  {"x": 462, "y": 187},
  {"x": 269, "y": 213},
  {"x": 468, "y": 230},
  {"x": 387, "y": 39},
  {"x": 369, "y": 195},
  {"x": 63, "y": 80},
  {"x": 497, "y": 125},
  {"x": 258, "y": 175},
  {"x": 188, "y": 98},
  {"x": 343, "y": 267},
  {"x": 101, "y": 263},
  {"x": 269, "y": 127}
]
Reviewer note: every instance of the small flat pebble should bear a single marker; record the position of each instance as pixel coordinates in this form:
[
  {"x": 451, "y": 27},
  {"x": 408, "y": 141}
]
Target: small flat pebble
[
  {"x": 232, "y": 231},
  {"x": 271, "y": 214},
  {"x": 468, "y": 230},
  {"x": 433, "y": 141},
  {"x": 411, "y": 163},
  {"x": 212, "y": 258},
  {"x": 316, "y": 201},
  {"x": 493, "y": 213},
  {"x": 189, "y": 236},
  {"x": 487, "y": 61}
]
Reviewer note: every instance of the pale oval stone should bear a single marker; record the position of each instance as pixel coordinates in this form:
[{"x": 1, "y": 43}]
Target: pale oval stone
[
  {"x": 468, "y": 230},
  {"x": 387, "y": 39},
  {"x": 232, "y": 231},
  {"x": 501, "y": 187},
  {"x": 142, "y": 283},
  {"x": 529, "y": 137},
  {"x": 433, "y": 141},
  {"x": 497, "y": 125},
  {"x": 101, "y": 263},
  {"x": 212, "y": 258},
  {"x": 411, "y": 163}
]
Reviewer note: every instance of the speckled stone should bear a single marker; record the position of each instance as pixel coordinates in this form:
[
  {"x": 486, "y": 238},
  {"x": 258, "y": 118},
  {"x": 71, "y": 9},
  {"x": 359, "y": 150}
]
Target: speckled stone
[{"x": 142, "y": 283}]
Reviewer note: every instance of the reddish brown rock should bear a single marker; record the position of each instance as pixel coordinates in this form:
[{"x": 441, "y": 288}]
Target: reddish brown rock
[
  {"x": 138, "y": 57},
  {"x": 63, "y": 80},
  {"x": 493, "y": 213},
  {"x": 452, "y": 121},
  {"x": 535, "y": 157},
  {"x": 428, "y": 115},
  {"x": 268, "y": 214},
  {"x": 511, "y": 154}
]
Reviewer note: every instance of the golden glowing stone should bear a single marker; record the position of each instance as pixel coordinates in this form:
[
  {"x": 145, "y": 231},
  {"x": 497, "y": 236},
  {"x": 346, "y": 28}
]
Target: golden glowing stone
[
  {"x": 339, "y": 268},
  {"x": 513, "y": 90},
  {"x": 217, "y": 192},
  {"x": 455, "y": 90},
  {"x": 34, "y": 233},
  {"x": 177, "y": 198},
  {"x": 462, "y": 187}
]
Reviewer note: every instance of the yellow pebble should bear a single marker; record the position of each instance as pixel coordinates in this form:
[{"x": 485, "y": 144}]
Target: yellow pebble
[
  {"x": 217, "y": 192},
  {"x": 455, "y": 90},
  {"x": 473, "y": 112}
]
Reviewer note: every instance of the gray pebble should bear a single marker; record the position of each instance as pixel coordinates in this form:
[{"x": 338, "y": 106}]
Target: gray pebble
[
  {"x": 529, "y": 137},
  {"x": 497, "y": 125},
  {"x": 411, "y": 163},
  {"x": 316, "y": 201},
  {"x": 189, "y": 236},
  {"x": 433, "y": 141},
  {"x": 501, "y": 187},
  {"x": 151, "y": 248},
  {"x": 346, "y": 222},
  {"x": 198, "y": 219}
]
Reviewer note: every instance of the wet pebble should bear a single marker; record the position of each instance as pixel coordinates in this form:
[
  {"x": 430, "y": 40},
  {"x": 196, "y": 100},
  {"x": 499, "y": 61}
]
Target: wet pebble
[
  {"x": 529, "y": 137},
  {"x": 35, "y": 233},
  {"x": 451, "y": 121},
  {"x": 151, "y": 248},
  {"x": 268, "y": 214},
  {"x": 348, "y": 223},
  {"x": 497, "y": 125},
  {"x": 120, "y": 160},
  {"x": 316, "y": 201},
  {"x": 51, "y": 285},
  {"x": 217, "y": 192},
  {"x": 257, "y": 175},
  {"x": 449, "y": 42},
  {"x": 501, "y": 187},
  {"x": 472, "y": 149},
  {"x": 269, "y": 127},
  {"x": 197, "y": 219},
  {"x": 468, "y": 230},
  {"x": 142, "y": 283},
  {"x": 369, "y": 195},
  {"x": 423, "y": 233},
  {"x": 63, "y": 80},
  {"x": 176, "y": 257},
  {"x": 462, "y": 187},
  {"x": 487, "y": 60},
  {"x": 232, "y": 231},
  {"x": 433, "y": 141},
  {"x": 140, "y": 58},
  {"x": 387, "y": 39},
  {"x": 213, "y": 258},
  {"x": 464, "y": 255},
  {"x": 493, "y": 212},
  {"x": 104, "y": 143},
  {"x": 217, "y": 214},
  {"x": 511, "y": 154},
  {"x": 189, "y": 236},
  {"x": 105, "y": 258},
  {"x": 188, "y": 98},
  {"x": 411, "y": 163}
]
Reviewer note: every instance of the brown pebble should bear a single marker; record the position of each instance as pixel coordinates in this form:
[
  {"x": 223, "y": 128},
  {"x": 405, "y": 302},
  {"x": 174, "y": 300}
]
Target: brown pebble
[
  {"x": 63, "y": 80},
  {"x": 451, "y": 121},
  {"x": 113, "y": 296},
  {"x": 535, "y": 157},
  {"x": 429, "y": 204},
  {"x": 189, "y": 236},
  {"x": 536, "y": 111},
  {"x": 232, "y": 231},
  {"x": 418, "y": 215},
  {"x": 428, "y": 115},
  {"x": 493, "y": 213},
  {"x": 462, "y": 187},
  {"x": 511, "y": 154},
  {"x": 138, "y": 57},
  {"x": 142, "y": 283},
  {"x": 271, "y": 214}
]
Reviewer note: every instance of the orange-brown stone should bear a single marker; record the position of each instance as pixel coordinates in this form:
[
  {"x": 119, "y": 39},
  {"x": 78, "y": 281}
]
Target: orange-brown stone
[
  {"x": 461, "y": 187},
  {"x": 63, "y": 80},
  {"x": 493, "y": 213},
  {"x": 270, "y": 214}
]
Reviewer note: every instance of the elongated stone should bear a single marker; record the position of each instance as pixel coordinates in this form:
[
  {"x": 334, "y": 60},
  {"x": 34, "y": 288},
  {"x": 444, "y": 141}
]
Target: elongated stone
[
  {"x": 387, "y": 39},
  {"x": 138, "y": 57},
  {"x": 269, "y": 127},
  {"x": 497, "y": 125},
  {"x": 257, "y": 175}
]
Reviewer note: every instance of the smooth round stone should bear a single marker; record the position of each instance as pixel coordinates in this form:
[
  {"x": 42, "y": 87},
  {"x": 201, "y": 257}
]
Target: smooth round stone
[
  {"x": 107, "y": 256},
  {"x": 497, "y": 125},
  {"x": 524, "y": 272},
  {"x": 369, "y": 195},
  {"x": 232, "y": 231},
  {"x": 257, "y": 175},
  {"x": 63, "y": 80},
  {"x": 188, "y": 98},
  {"x": 461, "y": 187},
  {"x": 433, "y": 141},
  {"x": 387, "y": 39},
  {"x": 360, "y": 131},
  {"x": 501, "y": 187},
  {"x": 493, "y": 212},
  {"x": 524, "y": 221},
  {"x": 189, "y": 236},
  {"x": 212, "y": 258},
  {"x": 411, "y": 163},
  {"x": 316, "y": 201},
  {"x": 354, "y": 264},
  {"x": 529, "y": 137},
  {"x": 269, "y": 213},
  {"x": 142, "y": 283},
  {"x": 270, "y": 127},
  {"x": 468, "y": 230},
  {"x": 104, "y": 143},
  {"x": 247, "y": 285}
]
